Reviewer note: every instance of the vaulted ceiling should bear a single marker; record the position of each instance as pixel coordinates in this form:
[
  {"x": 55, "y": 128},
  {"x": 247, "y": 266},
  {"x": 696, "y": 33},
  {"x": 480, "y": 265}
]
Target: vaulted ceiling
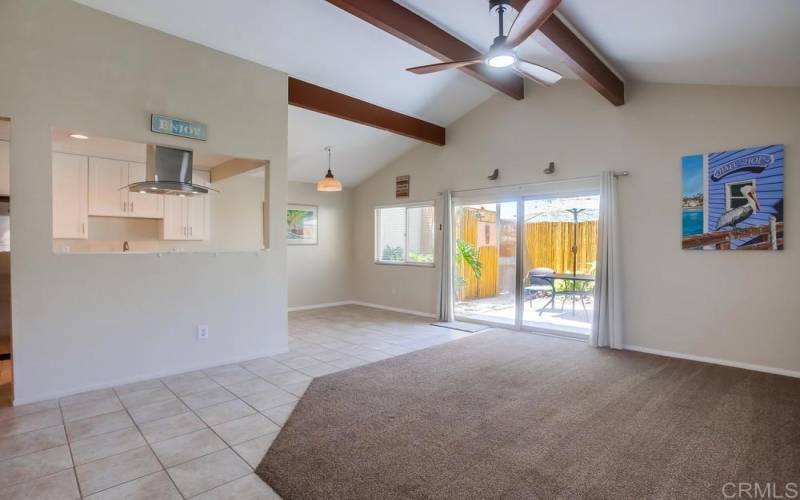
[{"x": 727, "y": 42}]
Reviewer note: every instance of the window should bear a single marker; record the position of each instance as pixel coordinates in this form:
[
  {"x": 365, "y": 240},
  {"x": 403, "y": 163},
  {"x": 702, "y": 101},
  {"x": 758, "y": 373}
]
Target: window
[
  {"x": 404, "y": 234},
  {"x": 735, "y": 198}
]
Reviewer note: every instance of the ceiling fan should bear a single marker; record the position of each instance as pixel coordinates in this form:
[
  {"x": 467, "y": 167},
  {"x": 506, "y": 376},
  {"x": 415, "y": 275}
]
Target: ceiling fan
[{"x": 501, "y": 54}]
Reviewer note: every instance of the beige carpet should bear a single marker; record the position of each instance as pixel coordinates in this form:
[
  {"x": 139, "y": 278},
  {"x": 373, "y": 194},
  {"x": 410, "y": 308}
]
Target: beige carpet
[{"x": 513, "y": 415}]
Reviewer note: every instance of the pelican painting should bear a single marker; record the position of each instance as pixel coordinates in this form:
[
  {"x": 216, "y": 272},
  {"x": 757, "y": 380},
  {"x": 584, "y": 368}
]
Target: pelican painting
[
  {"x": 742, "y": 213},
  {"x": 733, "y": 199}
]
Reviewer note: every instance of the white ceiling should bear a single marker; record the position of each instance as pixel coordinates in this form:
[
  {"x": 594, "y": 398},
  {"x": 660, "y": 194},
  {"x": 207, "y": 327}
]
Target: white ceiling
[
  {"x": 739, "y": 42},
  {"x": 358, "y": 150},
  {"x": 715, "y": 42}
]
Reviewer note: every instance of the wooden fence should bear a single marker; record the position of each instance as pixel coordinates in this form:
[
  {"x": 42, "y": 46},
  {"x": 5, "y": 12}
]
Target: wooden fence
[{"x": 547, "y": 244}]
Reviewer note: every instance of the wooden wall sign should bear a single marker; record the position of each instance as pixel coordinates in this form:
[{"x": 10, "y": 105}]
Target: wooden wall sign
[
  {"x": 402, "y": 186},
  {"x": 161, "y": 124}
]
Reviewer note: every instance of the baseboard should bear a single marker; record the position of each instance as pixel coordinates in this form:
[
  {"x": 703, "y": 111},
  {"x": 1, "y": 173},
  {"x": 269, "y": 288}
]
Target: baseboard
[
  {"x": 394, "y": 309},
  {"x": 365, "y": 304},
  {"x": 130, "y": 380},
  {"x": 714, "y": 361},
  {"x": 320, "y": 306}
]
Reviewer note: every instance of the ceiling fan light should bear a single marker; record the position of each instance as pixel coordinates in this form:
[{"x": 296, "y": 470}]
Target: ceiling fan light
[
  {"x": 329, "y": 183},
  {"x": 501, "y": 59}
]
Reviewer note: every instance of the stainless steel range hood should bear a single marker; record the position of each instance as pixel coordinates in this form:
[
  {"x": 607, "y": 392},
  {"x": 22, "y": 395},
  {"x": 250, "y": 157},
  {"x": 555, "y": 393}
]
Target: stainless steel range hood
[{"x": 169, "y": 171}]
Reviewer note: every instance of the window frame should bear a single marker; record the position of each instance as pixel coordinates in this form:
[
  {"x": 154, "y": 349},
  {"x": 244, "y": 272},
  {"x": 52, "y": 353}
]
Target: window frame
[
  {"x": 376, "y": 235},
  {"x": 729, "y": 189}
]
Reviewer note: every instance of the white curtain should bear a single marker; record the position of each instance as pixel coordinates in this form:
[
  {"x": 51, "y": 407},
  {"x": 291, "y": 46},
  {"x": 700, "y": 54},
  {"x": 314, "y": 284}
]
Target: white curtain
[
  {"x": 607, "y": 324},
  {"x": 446, "y": 299}
]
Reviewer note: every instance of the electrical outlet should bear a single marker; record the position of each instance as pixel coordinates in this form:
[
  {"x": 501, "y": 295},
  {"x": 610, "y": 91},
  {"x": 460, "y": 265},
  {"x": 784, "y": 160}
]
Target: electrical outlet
[{"x": 202, "y": 332}]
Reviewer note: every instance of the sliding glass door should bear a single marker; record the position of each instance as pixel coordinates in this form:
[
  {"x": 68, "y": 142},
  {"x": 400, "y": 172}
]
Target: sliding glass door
[
  {"x": 528, "y": 261},
  {"x": 560, "y": 254},
  {"x": 486, "y": 262}
]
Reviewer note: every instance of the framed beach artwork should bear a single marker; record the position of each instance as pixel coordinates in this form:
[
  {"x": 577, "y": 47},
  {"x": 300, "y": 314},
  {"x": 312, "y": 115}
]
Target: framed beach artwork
[
  {"x": 301, "y": 224},
  {"x": 733, "y": 200}
]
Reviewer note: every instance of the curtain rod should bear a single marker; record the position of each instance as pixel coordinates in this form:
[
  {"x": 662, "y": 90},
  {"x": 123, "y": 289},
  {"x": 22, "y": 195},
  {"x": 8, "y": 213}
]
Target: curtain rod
[{"x": 621, "y": 173}]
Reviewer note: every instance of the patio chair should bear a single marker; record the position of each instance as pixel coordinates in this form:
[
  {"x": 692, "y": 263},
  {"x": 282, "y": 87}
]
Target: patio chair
[
  {"x": 581, "y": 290},
  {"x": 540, "y": 281}
]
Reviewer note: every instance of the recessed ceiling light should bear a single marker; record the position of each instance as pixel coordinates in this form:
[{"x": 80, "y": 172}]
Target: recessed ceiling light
[{"x": 79, "y": 136}]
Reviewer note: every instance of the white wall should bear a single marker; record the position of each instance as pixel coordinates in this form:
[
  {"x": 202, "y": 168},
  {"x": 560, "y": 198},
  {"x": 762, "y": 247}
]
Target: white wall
[
  {"x": 322, "y": 274},
  {"x": 734, "y": 306},
  {"x": 84, "y": 321}
]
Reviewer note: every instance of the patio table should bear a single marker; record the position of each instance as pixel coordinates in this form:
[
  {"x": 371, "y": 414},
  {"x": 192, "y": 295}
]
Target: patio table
[{"x": 566, "y": 277}]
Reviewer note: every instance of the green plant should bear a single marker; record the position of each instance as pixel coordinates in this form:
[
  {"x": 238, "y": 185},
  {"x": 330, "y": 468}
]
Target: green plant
[
  {"x": 421, "y": 258},
  {"x": 569, "y": 286},
  {"x": 468, "y": 254},
  {"x": 295, "y": 219},
  {"x": 392, "y": 254}
]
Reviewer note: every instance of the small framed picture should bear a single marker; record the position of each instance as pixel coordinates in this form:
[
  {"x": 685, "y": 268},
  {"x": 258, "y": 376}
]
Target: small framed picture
[
  {"x": 301, "y": 224},
  {"x": 402, "y": 186}
]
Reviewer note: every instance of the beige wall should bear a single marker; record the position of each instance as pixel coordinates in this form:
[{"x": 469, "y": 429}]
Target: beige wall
[
  {"x": 85, "y": 321},
  {"x": 322, "y": 274},
  {"x": 236, "y": 214},
  {"x": 734, "y": 306}
]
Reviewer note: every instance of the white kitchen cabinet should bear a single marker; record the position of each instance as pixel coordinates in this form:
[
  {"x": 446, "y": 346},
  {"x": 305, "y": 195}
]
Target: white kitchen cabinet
[
  {"x": 70, "y": 198},
  {"x": 144, "y": 205},
  {"x": 108, "y": 195},
  {"x": 173, "y": 227},
  {"x": 188, "y": 218},
  {"x": 106, "y": 178},
  {"x": 198, "y": 212}
]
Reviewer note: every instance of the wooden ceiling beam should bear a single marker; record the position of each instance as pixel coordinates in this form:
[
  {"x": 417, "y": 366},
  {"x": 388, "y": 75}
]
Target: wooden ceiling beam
[
  {"x": 395, "y": 19},
  {"x": 315, "y": 98},
  {"x": 562, "y": 42}
]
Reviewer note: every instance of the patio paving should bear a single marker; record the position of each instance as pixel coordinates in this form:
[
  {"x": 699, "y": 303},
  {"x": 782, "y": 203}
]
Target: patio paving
[{"x": 560, "y": 316}]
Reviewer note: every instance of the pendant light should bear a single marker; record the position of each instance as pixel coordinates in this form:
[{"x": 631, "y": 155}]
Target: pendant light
[{"x": 329, "y": 182}]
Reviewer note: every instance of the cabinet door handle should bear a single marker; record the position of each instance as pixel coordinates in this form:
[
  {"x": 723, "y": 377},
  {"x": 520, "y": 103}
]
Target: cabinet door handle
[
  {"x": 83, "y": 228},
  {"x": 190, "y": 230},
  {"x": 124, "y": 206},
  {"x": 131, "y": 206}
]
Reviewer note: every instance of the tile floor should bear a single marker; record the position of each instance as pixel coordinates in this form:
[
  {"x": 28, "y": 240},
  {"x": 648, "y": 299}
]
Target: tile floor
[{"x": 193, "y": 435}]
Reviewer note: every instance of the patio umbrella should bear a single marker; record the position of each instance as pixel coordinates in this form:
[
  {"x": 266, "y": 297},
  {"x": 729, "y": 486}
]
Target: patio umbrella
[
  {"x": 575, "y": 212},
  {"x": 572, "y": 210}
]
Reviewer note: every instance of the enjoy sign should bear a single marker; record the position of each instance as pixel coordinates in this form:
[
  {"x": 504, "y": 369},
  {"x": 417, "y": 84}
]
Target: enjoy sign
[{"x": 181, "y": 128}]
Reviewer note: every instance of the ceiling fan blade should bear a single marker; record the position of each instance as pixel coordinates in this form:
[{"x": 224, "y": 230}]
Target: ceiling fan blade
[
  {"x": 433, "y": 68},
  {"x": 538, "y": 74},
  {"x": 533, "y": 15}
]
